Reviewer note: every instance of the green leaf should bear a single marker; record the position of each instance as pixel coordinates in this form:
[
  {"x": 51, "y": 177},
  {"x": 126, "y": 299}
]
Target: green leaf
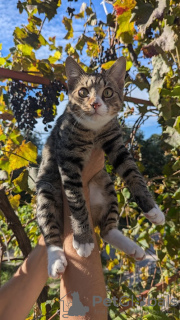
[
  {"x": 92, "y": 19},
  {"x": 19, "y": 33},
  {"x": 4, "y": 163},
  {"x": 21, "y": 182},
  {"x": 176, "y": 195},
  {"x": 14, "y": 201},
  {"x": 165, "y": 42},
  {"x": 45, "y": 67},
  {"x": 36, "y": 20},
  {"x": 156, "y": 313},
  {"x": 68, "y": 25},
  {"x": 177, "y": 124},
  {"x": 89, "y": 11},
  {"x": 176, "y": 165},
  {"x": 120, "y": 197},
  {"x": 110, "y": 20},
  {"x": 59, "y": 71},
  {"x": 160, "y": 68},
  {"x": 81, "y": 42},
  {"x": 99, "y": 31},
  {"x": 16, "y": 136},
  {"x": 93, "y": 49},
  {"x": 126, "y": 193},
  {"x": 3, "y": 137},
  {"x": 42, "y": 40},
  {"x": 43, "y": 310},
  {"x": 172, "y": 137},
  {"x": 129, "y": 291},
  {"x": 144, "y": 243}
]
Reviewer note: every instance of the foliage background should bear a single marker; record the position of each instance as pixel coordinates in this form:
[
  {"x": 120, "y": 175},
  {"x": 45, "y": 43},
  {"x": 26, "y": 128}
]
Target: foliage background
[{"x": 147, "y": 34}]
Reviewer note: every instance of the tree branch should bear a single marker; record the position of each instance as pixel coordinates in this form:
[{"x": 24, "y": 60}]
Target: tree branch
[
  {"x": 136, "y": 63},
  {"x": 15, "y": 224}
]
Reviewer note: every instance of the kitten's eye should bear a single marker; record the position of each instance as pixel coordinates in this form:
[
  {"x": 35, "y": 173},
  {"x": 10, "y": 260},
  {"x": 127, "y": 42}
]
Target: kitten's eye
[
  {"x": 83, "y": 92},
  {"x": 108, "y": 93}
]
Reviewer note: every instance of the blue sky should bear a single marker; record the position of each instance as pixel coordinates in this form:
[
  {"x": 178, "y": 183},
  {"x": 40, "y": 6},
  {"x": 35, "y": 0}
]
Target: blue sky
[{"x": 10, "y": 18}]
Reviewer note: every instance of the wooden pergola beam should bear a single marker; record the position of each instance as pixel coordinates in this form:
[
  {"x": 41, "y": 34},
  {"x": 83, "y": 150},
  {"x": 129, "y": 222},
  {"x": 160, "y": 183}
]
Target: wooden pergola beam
[
  {"x": 25, "y": 76},
  {"x": 20, "y": 75}
]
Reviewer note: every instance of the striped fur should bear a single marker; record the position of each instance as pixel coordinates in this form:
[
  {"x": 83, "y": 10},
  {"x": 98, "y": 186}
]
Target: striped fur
[{"x": 87, "y": 123}]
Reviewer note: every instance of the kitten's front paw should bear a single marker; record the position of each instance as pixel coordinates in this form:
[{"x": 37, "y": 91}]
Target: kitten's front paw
[
  {"x": 56, "y": 261},
  {"x": 156, "y": 216},
  {"x": 119, "y": 241},
  {"x": 137, "y": 253},
  {"x": 83, "y": 249}
]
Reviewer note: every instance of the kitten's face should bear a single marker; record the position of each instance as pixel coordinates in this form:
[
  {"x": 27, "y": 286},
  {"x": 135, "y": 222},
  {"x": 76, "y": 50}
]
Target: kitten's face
[{"x": 95, "y": 99}]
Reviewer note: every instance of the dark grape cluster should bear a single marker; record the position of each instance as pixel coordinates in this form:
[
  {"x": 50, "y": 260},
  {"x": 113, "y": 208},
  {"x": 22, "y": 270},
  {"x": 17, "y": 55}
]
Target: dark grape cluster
[
  {"x": 70, "y": 11},
  {"x": 104, "y": 56},
  {"x": 25, "y": 103}
]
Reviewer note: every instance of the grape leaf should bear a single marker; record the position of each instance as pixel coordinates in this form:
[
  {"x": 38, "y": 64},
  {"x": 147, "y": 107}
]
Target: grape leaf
[{"x": 27, "y": 152}]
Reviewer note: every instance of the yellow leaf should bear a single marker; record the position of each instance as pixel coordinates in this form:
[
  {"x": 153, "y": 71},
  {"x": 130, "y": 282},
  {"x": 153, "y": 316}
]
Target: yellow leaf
[
  {"x": 108, "y": 249},
  {"x": 61, "y": 96},
  {"x": 9, "y": 145},
  {"x": 161, "y": 189},
  {"x": 128, "y": 65},
  {"x": 109, "y": 64},
  {"x": 14, "y": 201},
  {"x": 93, "y": 49},
  {"x": 166, "y": 279},
  {"x": 112, "y": 263},
  {"x": 27, "y": 152},
  {"x": 124, "y": 23},
  {"x": 39, "y": 112},
  {"x": 1, "y": 131},
  {"x": 53, "y": 59},
  {"x": 68, "y": 25}
]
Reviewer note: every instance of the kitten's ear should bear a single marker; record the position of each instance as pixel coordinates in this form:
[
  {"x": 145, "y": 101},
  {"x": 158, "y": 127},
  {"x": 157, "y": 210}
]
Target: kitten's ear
[
  {"x": 118, "y": 71},
  {"x": 73, "y": 70}
]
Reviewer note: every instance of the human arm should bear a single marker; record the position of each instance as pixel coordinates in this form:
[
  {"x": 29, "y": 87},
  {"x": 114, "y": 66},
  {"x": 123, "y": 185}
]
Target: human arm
[
  {"x": 84, "y": 275},
  {"x": 19, "y": 294}
]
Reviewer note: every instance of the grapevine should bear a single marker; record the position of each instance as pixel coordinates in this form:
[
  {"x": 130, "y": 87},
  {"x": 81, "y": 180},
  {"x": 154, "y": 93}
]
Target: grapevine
[{"x": 28, "y": 106}]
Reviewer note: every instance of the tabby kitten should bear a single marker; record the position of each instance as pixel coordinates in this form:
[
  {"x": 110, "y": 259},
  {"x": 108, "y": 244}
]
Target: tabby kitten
[{"x": 89, "y": 121}]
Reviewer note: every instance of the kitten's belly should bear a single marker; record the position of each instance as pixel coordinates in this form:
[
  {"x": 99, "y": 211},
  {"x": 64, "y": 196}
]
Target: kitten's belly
[{"x": 96, "y": 199}]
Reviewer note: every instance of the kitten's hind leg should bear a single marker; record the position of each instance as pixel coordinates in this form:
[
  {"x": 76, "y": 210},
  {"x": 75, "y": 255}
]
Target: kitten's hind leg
[
  {"x": 50, "y": 212},
  {"x": 56, "y": 261},
  {"x": 50, "y": 220},
  {"x": 104, "y": 209}
]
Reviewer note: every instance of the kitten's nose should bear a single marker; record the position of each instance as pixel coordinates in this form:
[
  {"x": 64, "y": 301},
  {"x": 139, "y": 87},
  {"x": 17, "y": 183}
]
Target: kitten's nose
[{"x": 95, "y": 104}]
